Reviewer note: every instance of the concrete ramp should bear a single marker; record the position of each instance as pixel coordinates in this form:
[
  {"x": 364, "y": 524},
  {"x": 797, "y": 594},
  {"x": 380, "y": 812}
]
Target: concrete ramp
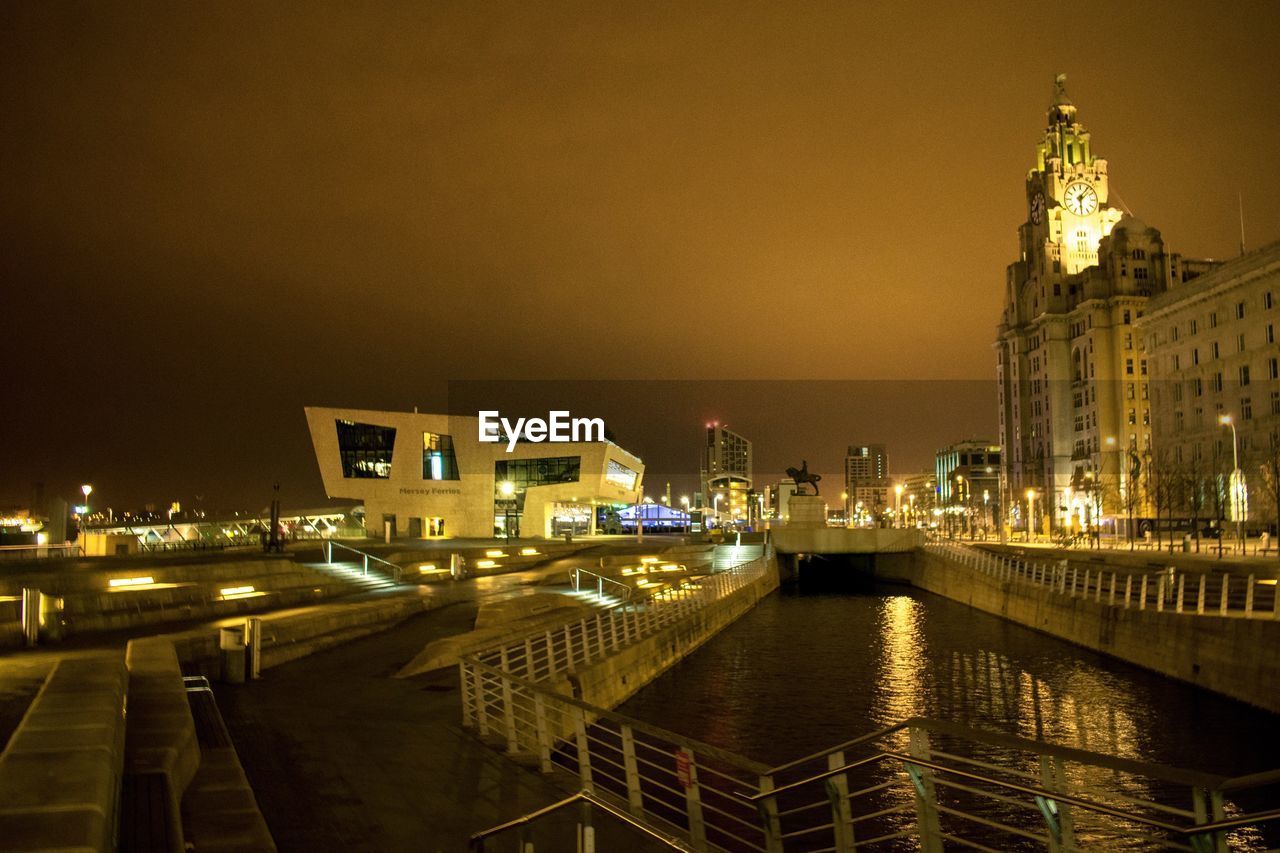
[{"x": 496, "y": 623}]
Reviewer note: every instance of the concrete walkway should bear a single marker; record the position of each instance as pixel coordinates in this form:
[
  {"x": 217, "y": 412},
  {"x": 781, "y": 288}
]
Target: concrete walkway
[{"x": 342, "y": 756}]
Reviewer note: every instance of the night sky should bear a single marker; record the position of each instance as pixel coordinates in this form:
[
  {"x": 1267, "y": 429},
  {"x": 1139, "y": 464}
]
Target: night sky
[{"x": 214, "y": 214}]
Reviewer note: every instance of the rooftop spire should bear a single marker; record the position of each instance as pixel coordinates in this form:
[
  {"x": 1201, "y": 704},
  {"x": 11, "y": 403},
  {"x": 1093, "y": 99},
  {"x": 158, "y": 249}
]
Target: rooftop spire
[{"x": 1061, "y": 109}]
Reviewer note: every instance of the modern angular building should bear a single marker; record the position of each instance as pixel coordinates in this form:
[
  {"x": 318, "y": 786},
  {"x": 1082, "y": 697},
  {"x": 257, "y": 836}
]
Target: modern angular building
[
  {"x": 421, "y": 476},
  {"x": 866, "y": 483},
  {"x": 1074, "y": 382},
  {"x": 968, "y": 478}
]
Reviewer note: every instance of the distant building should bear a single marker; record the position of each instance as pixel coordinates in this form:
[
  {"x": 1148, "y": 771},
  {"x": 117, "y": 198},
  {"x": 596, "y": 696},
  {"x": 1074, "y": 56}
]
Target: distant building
[
  {"x": 726, "y": 473},
  {"x": 777, "y": 499},
  {"x": 1211, "y": 346},
  {"x": 968, "y": 484},
  {"x": 424, "y": 475},
  {"x": 866, "y": 484},
  {"x": 1073, "y": 374},
  {"x": 919, "y": 497}
]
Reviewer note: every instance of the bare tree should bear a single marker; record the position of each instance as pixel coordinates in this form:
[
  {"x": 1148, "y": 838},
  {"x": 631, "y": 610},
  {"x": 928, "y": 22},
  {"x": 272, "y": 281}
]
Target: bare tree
[
  {"x": 1269, "y": 469},
  {"x": 1196, "y": 482}
]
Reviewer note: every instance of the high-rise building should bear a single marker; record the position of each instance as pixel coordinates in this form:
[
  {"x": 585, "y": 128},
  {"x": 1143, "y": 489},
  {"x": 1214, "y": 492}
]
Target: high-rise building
[
  {"x": 726, "y": 473},
  {"x": 1072, "y": 372},
  {"x": 1214, "y": 365},
  {"x": 866, "y": 483}
]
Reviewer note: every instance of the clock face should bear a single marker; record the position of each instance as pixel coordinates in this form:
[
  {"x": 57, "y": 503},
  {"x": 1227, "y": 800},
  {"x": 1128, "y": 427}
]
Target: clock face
[
  {"x": 1080, "y": 198},
  {"x": 1037, "y": 208}
]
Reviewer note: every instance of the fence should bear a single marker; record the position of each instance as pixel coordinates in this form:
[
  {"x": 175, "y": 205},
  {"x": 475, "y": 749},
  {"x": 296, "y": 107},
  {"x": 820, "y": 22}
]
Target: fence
[
  {"x": 924, "y": 781},
  {"x": 1189, "y": 593}
]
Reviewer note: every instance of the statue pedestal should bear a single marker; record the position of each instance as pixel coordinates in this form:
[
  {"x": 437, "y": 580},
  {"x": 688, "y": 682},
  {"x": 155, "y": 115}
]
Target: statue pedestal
[{"x": 807, "y": 511}]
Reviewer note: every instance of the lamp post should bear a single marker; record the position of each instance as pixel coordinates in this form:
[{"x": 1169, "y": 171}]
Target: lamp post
[
  {"x": 86, "y": 490},
  {"x": 1236, "y": 483},
  {"x": 508, "y": 491},
  {"x": 684, "y": 501},
  {"x": 1031, "y": 511},
  {"x": 715, "y": 505},
  {"x": 897, "y": 505},
  {"x": 911, "y": 507}
]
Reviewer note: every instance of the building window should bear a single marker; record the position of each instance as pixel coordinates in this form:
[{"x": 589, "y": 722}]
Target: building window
[
  {"x": 1275, "y": 402},
  {"x": 438, "y": 459},
  {"x": 1195, "y": 356},
  {"x": 1133, "y": 416},
  {"x": 1127, "y": 318},
  {"x": 1271, "y": 334},
  {"x": 1213, "y": 319},
  {"x": 1142, "y": 366},
  {"x": 1139, "y": 273},
  {"x": 1273, "y": 369},
  {"x": 1239, "y": 310},
  {"x": 365, "y": 450},
  {"x": 1128, "y": 366},
  {"x": 1146, "y": 417},
  {"x": 1177, "y": 362},
  {"x": 1213, "y": 349},
  {"x": 1215, "y": 384},
  {"x": 1266, "y": 300},
  {"x": 1195, "y": 326},
  {"x": 524, "y": 473},
  {"x": 1246, "y": 408},
  {"x": 1240, "y": 342},
  {"x": 1129, "y": 390},
  {"x": 1128, "y": 340},
  {"x": 1139, "y": 255},
  {"x": 1197, "y": 386},
  {"x": 1244, "y": 375}
]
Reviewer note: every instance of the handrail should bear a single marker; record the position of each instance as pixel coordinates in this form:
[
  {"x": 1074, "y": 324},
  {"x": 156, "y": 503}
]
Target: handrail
[
  {"x": 1192, "y": 778},
  {"x": 477, "y": 840},
  {"x": 601, "y": 580},
  {"x": 1089, "y": 805},
  {"x": 596, "y": 712},
  {"x": 328, "y": 558}
]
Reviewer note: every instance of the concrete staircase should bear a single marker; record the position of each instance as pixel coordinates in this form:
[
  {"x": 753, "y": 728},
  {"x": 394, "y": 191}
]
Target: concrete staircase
[
  {"x": 353, "y": 574},
  {"x": 728, "y": 556}
]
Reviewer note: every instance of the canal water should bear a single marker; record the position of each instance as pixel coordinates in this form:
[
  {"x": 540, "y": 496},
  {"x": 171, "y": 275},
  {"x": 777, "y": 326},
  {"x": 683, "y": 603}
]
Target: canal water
[{"x": 804, "y": 672}]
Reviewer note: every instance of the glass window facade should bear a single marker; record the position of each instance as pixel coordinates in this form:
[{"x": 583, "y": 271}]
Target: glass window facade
[
  {"x": 365, "y": 450},
  {"x": 620, "y": 475},
  {"x": 438, "y": 459},
  {"x": 524, "y": 473}
]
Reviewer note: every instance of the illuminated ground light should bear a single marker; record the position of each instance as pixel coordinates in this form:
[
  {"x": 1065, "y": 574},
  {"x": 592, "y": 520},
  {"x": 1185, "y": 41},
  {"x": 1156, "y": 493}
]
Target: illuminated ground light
[
  {"x": 119, "y": 583},
  {"x": 672, "y": 567},
  {"x": 233, "y": 592},
  {"x": 528, "y": 552},
  {"x": 430, "y": 569},
  {"x": 648, "y": 559},
  {"x": 494, "y": 554},
  {"x": 486, "y": 564}
]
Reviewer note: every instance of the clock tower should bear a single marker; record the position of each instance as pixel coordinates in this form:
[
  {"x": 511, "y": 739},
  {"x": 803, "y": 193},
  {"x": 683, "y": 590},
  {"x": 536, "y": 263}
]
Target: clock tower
[{"x": 1074, "y": 410}]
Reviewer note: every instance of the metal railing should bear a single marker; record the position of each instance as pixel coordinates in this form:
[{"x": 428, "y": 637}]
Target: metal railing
[
  {"x": 40, "y": 552},
  {"x": 394, "y": 570},
  {"x": 586, "y": 841},
  {"x": 576, "y": 577},
  {"x": 555, "y": 651},
  {"x": 921, "y": 782},
  {"x": 1188, "y": 593}
]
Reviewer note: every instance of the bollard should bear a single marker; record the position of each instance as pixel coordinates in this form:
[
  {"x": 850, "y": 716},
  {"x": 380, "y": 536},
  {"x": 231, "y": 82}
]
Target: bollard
[
  {"x": 253, "y": 640},
  {"x": 30, "y": 616},
  {"x": 231, "y": 644}
]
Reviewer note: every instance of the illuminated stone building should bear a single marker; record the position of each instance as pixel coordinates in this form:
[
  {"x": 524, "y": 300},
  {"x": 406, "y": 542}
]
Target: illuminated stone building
[
  {"x": 1212, "y": 352},
  {"x": 1073, "y": 374}
]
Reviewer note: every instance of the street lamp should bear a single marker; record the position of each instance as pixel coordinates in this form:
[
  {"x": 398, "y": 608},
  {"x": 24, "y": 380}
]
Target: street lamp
[
  {"x": 716, "y": 506},
  {"x": 1236, "y": 482},
  {"x": 688, "y": 518},
  {"x": 1031, "y": 511},
  {"x": 87, "y": 490},
  {"x": 897, "y": 504},
  {"x": 508, "y": 490}
]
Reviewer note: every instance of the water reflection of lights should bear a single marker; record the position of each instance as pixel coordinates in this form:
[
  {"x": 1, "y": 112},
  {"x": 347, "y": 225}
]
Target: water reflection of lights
[{"x": 902, "y": 661}]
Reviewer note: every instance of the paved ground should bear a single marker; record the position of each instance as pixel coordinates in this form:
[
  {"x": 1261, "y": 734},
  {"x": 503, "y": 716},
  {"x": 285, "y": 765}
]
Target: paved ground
[{"x": 344, "y": 757}]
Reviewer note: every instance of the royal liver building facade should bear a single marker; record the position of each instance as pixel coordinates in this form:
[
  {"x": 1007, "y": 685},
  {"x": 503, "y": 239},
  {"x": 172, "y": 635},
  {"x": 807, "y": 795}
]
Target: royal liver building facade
[{"x": 1075, "y": 422}]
